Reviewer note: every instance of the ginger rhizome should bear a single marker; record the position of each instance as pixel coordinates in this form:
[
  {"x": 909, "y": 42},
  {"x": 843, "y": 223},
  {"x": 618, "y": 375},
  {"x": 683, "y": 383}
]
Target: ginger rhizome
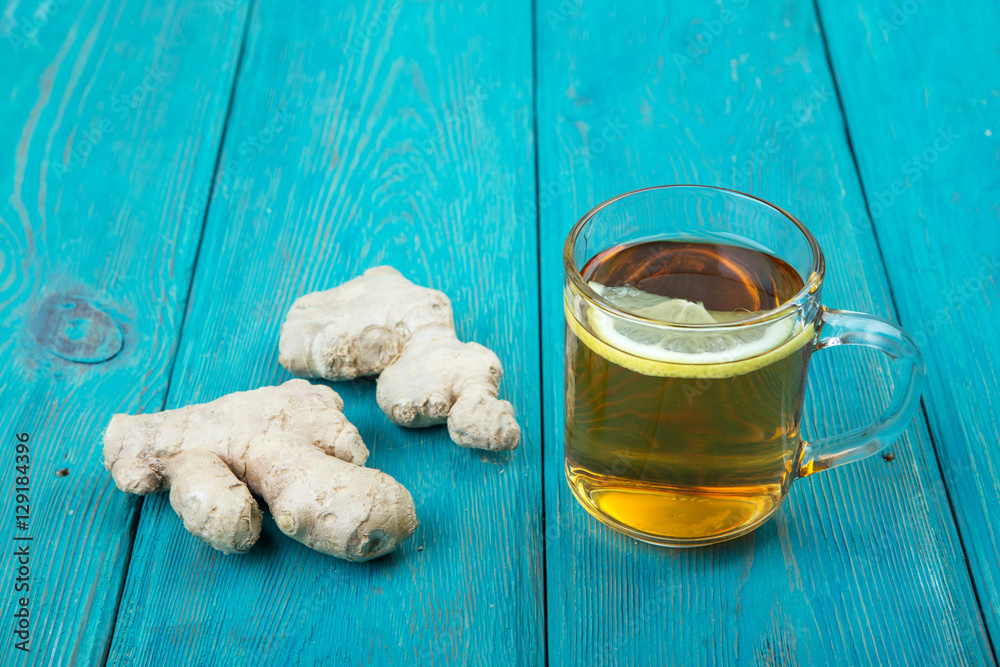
[
  {"x": 291, "y": 445},
  {"x": 382, "y": 324}
]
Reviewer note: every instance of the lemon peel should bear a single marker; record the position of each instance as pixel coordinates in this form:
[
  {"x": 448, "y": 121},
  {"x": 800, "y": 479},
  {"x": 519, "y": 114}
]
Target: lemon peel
[{"x": 689, "y": 369}]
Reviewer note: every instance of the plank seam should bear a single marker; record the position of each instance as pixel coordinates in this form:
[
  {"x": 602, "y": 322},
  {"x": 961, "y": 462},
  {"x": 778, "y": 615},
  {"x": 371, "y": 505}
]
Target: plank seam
[
  {"x": 892, "y": 301},
  {"x": 134, "y": 526},
  {"x": 541, "y": 332},
  {"x": 133, "y": 530}
]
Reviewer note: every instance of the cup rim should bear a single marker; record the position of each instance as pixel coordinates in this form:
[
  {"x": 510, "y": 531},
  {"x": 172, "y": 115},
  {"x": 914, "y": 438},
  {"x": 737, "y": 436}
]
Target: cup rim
[{"x": 810, "y": 286}]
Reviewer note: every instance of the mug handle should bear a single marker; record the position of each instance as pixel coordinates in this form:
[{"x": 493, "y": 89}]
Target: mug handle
[{"x": 841, "y": 327}]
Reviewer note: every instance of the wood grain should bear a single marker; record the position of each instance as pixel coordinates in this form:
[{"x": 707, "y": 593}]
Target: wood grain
[
  {"x": 363, "y": 134},
  {"x": 922, "y": 98},
  {"x": 112, "y": 116},
  {"x": 862, "y": 565},
  {"x": 389, "y": 132}
]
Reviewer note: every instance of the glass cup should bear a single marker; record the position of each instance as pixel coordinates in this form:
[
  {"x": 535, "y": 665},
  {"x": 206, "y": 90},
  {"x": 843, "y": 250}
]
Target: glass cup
[{"x": 683, "y": 422}]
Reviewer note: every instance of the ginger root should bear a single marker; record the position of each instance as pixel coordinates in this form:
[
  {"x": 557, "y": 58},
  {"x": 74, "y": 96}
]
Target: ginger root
[
  {"x": 291, "y": 445},
  {"x": 382, "y": 324}
]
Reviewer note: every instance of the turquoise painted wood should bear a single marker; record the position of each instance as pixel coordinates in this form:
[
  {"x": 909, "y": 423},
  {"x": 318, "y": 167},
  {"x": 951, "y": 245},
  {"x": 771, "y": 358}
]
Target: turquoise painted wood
[
  {"x": 412, "y": 150},
  {"x": 862, "y": 565},
  {"x": 923, "y": 114},
  {"x": 100, "y": 156},
  {"x": 404, "y": 132}
]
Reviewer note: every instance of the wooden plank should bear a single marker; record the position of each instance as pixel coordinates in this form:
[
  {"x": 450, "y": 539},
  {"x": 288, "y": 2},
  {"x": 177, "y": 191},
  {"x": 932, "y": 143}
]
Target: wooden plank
[
  {"x": 411, "y": 150},
  {"x": 862, "y": 564},
  {"x": 924, "y": 124},
  {"x": 111, "y": 120}
]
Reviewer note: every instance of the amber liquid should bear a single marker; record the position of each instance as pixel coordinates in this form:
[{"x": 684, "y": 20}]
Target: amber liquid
[{"x": 685, "y": 460}]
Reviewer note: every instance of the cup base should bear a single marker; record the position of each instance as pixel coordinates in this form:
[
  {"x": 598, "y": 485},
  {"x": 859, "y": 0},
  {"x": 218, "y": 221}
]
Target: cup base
[{"x": 671, "y": 542}]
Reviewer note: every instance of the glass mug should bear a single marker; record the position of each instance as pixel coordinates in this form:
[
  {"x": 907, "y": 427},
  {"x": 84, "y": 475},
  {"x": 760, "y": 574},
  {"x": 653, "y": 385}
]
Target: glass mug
[{"x": 691, "y": 316}]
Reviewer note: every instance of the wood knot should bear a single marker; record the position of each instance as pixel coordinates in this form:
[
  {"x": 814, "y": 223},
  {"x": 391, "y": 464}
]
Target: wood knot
[{"x": 77, "y": 330}]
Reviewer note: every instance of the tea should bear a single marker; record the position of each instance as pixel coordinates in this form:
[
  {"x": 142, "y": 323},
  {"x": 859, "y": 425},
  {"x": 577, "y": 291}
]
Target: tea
[{"x": 685, "y": 434}]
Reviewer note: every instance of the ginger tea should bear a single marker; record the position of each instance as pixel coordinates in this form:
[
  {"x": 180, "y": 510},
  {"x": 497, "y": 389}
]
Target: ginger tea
[{"x": 684, "y": 434}]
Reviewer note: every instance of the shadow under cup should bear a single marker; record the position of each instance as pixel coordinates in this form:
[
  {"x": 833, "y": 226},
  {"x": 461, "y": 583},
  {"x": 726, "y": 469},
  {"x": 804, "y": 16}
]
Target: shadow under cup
[{"x": 685, "y": 430}]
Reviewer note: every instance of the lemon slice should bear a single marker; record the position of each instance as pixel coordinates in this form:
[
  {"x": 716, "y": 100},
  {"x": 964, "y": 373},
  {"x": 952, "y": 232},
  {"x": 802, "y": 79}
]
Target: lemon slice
[{"x": 691, "y": 353}]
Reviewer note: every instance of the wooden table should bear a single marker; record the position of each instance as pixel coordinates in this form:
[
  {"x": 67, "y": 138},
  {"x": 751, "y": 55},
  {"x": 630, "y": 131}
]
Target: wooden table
[{"x": 177, "y": 173}]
